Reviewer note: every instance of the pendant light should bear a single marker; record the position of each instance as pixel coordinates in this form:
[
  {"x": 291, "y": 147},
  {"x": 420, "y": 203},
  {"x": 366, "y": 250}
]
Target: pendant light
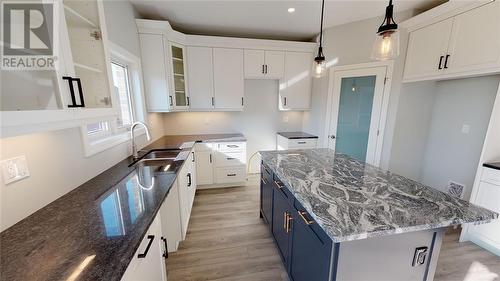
[
  {"x": 319, "y": 64},
  {"x": 386, "y": 45}
]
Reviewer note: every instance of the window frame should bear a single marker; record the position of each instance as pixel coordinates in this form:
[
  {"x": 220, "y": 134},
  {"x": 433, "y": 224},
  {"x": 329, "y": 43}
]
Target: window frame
[{"x": 116, "y": 135}]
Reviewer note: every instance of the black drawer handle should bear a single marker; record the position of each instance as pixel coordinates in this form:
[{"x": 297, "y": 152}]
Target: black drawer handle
[
  {"x": 230, "y": 158},
  {"x": 233, "y": 145},
  {"x": 143, "y": 255},
  {"x": 165, "y": 254},
  {"x": 440, "y": 62},
  {"x": 446, "y": 61},
  {"x": 189, "y": 179},
  {"x": 231, "y": 175},
  {"x": 193, "y": 156},
  {"x": 301, "y": 142}
]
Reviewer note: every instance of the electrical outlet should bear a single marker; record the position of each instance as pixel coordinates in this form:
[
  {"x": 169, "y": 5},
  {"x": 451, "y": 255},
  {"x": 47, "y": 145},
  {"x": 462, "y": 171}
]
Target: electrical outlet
[
  {"x": 14, "y": 169},
  {"x": 465, "y": 129}
]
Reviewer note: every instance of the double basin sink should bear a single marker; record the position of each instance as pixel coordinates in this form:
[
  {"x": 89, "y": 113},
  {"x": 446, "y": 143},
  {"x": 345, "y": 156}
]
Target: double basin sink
[{"x": 164, "y": 161}]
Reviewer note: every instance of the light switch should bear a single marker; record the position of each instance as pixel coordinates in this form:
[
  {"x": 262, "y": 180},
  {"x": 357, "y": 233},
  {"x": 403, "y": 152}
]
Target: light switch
[
  {"x": 465, "y": 129},
  {"x": 14, "y": 169}
]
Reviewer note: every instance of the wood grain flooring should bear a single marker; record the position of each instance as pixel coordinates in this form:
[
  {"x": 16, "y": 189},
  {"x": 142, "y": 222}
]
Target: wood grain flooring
[{"x": 227, "y": 240}]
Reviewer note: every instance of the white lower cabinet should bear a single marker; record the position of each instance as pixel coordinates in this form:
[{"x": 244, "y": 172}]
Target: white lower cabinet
[
  {"x": 204, "y": 164},
  {"x": 283, "y": 143},
  {"x": 187, "y": 190},
  {"x": 488, "y": 196},
  {"x": 148, "y": 263},
  {"x": 171, "y": 218}
]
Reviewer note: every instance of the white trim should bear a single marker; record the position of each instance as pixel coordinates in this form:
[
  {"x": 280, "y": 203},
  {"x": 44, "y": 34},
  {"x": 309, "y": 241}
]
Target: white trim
[{"x": 389, "y": 65}]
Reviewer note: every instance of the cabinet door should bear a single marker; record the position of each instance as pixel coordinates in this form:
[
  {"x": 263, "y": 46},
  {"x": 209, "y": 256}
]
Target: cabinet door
[
  {"x": 184, "y": 205},
  {"x": 150, "y": 266},
  {"x": 475, "y": 40},
  {"x": 488, "y": 197},
  {"x": 155, "y": 72},
  {"x": 310, "y": 250},
  {"x": 179, "y": 78},
  {"x": 228, "y": 78},
  {"x": 281, "y": 222},
  {"x": 171, "y": 218},
  {"x": 295, "y": 90},
  {"x": 266, "y": 190},
  {"x": 427, "y": 49},
  {"x": 200, "y": 68},
  {"x": 275, "y": 64},
  {"x": 204, "y": 167},
  {"x": 254, "y": 64}
]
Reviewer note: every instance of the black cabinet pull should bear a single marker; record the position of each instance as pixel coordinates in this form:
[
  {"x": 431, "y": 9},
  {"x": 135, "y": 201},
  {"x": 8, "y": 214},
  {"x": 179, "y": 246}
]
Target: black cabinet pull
[
  {"x": 165, "y": 254},
  {"x": 230, "y": 158},
  {"x": 189, "y": 179},
  {"x": 72, "y": 91},
  {"x": 266, "y": 68},
  {"x": 263, "y": 71},
  {"x": 446, "y": 61},
  {"x": 210, "y": 156},
  {"x": 231, "y": 175},
  {"x": 285, "y": 100},
  {"x": 233, "y": 145},
  {"x": 440, "y": 62},
  {"x": 171, "y": 101},
  {"x": 193, "y": 156},
  {"x": 241, "y": 101},
  {"x": 187, "y": 101},
  {"x": 213, "y": 101},
  {"x": 143, "y": 255},
  {"x": 301, "y": 142}
]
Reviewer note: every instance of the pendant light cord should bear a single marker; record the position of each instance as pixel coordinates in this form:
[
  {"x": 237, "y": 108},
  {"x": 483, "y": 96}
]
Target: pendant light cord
[{"x": 321, "y": 26}]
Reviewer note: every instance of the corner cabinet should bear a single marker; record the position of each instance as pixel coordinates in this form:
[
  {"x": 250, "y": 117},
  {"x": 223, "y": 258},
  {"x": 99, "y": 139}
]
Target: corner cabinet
[
  {"x": 453, "y": 47},
  {"x": 78, "y": 88},
  {"x": 295, "y": 89}
]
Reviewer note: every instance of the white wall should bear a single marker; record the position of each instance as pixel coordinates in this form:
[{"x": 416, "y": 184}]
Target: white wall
[
  {"x": 259, "y": 121},
  {"x": 451, "y": 154},
  {"x": 352, "y": 44},
  {"x": 412, "y": 129},
  {"x": 56, "y": 159}
]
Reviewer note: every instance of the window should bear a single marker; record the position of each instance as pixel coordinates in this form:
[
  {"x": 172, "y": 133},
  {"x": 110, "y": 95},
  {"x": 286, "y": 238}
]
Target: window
[
  {"x": 128, "y": 100},
  {"x": 122, "y": 88}
]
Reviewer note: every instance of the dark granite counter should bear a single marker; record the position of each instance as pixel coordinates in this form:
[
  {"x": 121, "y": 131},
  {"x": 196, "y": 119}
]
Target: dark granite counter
[
  {"x": 352, "y": 200},
  {"x": 297, "y": 135},
  {"x": 101, "y": 222},
  {"x": 495, "y": 166}
]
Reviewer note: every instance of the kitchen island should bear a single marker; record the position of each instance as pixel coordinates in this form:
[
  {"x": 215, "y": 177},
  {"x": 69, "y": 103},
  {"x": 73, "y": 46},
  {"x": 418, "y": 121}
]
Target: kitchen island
[{"x": 336, "y": 218}]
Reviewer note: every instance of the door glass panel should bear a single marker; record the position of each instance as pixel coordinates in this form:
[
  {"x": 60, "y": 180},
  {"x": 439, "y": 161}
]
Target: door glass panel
[
  {"x": 355, "y": 110},
  {"x": 29, "y": 90},
  {"x": 179, "y": 81},
  {"x": 87, "y": 49}
]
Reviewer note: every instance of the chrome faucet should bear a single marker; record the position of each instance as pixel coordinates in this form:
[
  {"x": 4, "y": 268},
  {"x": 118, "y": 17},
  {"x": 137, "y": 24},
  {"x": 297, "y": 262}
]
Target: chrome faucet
[{"x": 135, "y": 155}]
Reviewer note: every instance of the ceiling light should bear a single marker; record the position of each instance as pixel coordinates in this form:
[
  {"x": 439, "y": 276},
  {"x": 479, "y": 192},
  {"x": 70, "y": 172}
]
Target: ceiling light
[{"x": 291, "y": 10}]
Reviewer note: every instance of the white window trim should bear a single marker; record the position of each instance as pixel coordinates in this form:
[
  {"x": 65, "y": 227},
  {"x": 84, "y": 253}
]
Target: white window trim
[{"x": 118, "y": 135}]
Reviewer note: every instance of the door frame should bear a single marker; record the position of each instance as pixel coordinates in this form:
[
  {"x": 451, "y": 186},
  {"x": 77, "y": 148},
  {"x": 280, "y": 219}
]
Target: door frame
[{"x": 389, "y": 67}]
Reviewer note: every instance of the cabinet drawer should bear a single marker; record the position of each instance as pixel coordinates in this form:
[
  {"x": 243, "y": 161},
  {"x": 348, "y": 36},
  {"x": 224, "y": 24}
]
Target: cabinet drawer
[
  {"x": 230, "y": 146},
  {"x": 226, "y": 159},
  {"x": 491, "y": 176},
  {"x": 302, "y": 143},
  {"x": 230, "y": 174}
]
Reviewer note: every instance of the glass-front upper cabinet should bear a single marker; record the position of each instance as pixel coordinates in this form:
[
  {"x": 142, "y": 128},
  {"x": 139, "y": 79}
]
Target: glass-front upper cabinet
[
  {"x": 180, "y": 99},
  {"x": 88, "y": 78}
]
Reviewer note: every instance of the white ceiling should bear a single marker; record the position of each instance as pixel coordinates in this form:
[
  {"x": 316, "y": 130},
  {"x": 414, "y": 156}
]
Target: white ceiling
[{"x": 266, "y": 19}]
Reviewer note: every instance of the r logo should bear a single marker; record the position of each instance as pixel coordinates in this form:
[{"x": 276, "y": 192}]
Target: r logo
[{"x": 28, "y": 29}]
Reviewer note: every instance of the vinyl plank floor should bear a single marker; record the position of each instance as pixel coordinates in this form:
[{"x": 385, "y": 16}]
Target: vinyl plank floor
[{"x": 227, "y": 241}]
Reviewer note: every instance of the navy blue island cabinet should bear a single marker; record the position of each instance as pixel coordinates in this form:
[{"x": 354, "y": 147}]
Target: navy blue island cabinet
[{"x": 304, "y": 247}]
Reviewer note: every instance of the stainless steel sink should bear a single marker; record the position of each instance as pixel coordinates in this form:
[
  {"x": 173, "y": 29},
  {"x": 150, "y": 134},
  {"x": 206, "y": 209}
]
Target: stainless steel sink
[
  {"x": 159, "y": 165},
  {"x": 163, "y": 154}
]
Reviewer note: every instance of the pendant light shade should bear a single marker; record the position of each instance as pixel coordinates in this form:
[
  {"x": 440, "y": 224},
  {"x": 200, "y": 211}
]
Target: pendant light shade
[
  {"x": 319, "y": 63},
  {"x": 386, "y": 45}
]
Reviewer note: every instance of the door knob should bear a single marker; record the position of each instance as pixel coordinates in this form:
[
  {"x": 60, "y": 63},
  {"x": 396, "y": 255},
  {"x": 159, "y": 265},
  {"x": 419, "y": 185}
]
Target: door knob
[{"x": 332, "y": 137}]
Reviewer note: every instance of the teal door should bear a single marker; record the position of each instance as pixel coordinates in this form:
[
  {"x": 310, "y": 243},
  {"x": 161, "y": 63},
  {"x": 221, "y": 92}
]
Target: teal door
[{"x": 356, "y": 115}]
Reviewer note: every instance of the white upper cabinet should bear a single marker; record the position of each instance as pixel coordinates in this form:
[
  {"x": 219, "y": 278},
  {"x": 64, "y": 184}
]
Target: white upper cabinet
[
  {"x": 425, "y": 58},
  {"x": 154, "y": 71},
  {"x": 264, "y": 64},
  {"x": 228, "y": 78},
  {"x": 475, "y": 41},
  {"x": 201, "y": 86},
  {"x": 464, "y": 45},
  {"x": 295, "y": 88}
]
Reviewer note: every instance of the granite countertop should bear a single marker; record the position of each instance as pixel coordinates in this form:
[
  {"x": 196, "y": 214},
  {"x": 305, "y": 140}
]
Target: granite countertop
[
  {"x": 102, "y": 222},
  {"x": 297, "y": 135},
  {"x": 352, "y": 200},
  {"x": 495, "y": 165}
]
